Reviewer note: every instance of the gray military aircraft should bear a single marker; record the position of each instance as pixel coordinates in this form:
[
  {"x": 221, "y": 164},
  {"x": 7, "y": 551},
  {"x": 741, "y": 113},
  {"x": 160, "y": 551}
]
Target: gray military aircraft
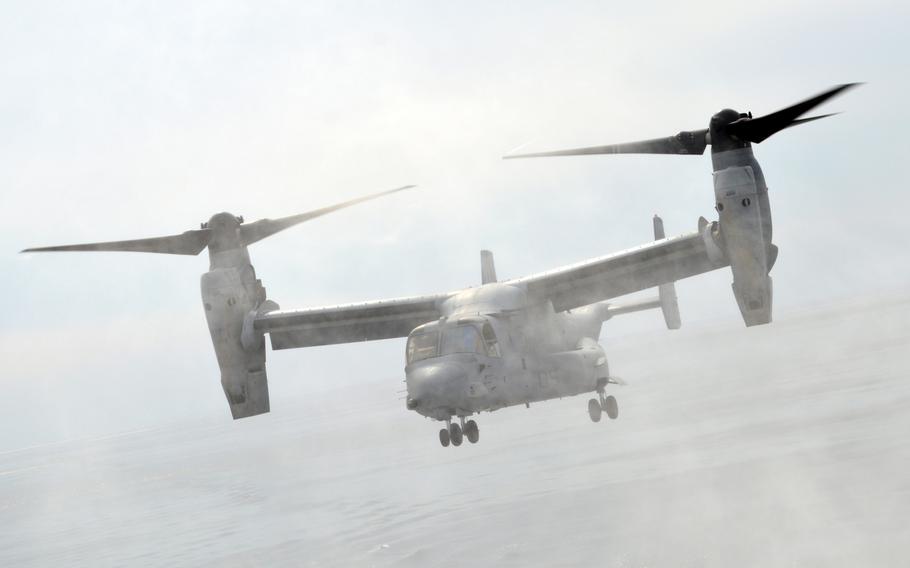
[{"x": 503, "y": 343}]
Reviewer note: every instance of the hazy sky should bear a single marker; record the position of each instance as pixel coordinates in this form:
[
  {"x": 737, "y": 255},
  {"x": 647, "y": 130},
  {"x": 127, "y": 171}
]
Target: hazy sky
[{"x": 133, "y": 119}]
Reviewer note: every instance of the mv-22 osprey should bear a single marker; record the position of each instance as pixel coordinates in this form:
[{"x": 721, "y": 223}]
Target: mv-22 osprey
[{"x": 503, "y": 343}]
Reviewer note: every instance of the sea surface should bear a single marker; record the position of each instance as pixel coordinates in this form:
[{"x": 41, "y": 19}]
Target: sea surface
[{"x": 781, "y": 445}]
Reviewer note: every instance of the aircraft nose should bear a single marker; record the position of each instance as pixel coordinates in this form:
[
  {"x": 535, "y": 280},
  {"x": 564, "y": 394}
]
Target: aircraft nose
[{"x": 434, "y": 385}]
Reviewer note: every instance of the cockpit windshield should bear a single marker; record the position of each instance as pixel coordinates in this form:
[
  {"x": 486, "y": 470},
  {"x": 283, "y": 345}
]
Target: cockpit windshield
[
  {"x": 464, "y": 338},
  {"x": 422, "y": 346},
  {"x": 461, "y": 339}
]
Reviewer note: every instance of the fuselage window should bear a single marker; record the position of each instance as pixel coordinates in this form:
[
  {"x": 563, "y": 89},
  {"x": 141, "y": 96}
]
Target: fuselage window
[
  {"x": 489, "y": 340},
  {"x": 422, "y": 346},
  {"x": 461, "y": 339}
]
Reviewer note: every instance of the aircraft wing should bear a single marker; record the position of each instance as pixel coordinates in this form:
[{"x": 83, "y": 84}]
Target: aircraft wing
[
  {"x": 632, "y": 270},
  {"x": 383, "y": 319}
]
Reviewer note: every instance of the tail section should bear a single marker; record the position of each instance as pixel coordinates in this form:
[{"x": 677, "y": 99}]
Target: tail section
[
  {"x": 591, "y": 317},
  {"x": 670, "y": 306},
  {"x": 667, "y": 292},
  {"x": 487, "y": 267}
]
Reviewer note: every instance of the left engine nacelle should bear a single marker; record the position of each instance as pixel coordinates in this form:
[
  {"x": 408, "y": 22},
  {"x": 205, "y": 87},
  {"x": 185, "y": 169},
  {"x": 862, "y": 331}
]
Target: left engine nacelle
[{"x": 229, "y": 295}]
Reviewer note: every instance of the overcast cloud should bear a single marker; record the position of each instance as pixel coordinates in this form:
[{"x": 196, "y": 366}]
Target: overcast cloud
[{"x": 133, "y": 119}]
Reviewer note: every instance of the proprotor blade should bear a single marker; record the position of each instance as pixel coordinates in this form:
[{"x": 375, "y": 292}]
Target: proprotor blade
[
  {"x": 263, "y": 228},
  {"x": 811, "y": 118},
  {"x": 692, "y": 142},
  {"x": 188, "y": 243},
  {"x": 759, "y": 129}
]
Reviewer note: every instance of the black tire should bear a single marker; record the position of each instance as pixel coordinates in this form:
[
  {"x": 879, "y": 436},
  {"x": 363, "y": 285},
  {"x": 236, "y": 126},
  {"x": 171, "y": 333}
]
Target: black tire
[
  {"x": 444, "y": 437},
  {"x": 611, "y": 407},
  {"x": 456, "y": 434},
  {"x": 594, "y": 410},
  {"x": 471, "y": 431}
]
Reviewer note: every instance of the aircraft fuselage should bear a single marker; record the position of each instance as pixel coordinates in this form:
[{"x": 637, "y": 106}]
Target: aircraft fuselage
[{"x": 493, "y": 348}]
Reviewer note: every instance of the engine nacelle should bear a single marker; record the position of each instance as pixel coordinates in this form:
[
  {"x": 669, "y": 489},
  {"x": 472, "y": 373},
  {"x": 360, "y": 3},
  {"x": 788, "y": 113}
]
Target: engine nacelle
[
  {"x": 229, "y": 296},
  {"x": 745, "y": 218}
]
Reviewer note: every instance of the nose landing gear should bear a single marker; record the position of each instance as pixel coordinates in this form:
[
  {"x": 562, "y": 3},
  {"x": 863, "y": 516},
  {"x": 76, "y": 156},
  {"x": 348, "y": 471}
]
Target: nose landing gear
[
  {"x": 455, "y": 434},
  {"x": 603, "y": 403},
  {"x": 594, "y": 410},
  {"x": 610, "y": 406}
]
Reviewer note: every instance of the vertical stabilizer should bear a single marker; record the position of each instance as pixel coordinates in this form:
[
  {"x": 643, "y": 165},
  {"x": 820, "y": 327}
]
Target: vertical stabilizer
[
  {"x": 487, "y": 267},
  {"x": 668, "y": 302},
  {"x": 659, "y": 228}
]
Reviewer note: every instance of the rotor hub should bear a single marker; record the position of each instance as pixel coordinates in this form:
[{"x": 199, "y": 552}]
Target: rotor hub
[
  {"x": 721, "y": 139},
  {"x": 223, "y": 220}
]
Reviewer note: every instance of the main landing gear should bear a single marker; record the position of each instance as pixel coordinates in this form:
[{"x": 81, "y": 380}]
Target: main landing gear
[
  {"x": 456, "y": 433},
  {"x": 602, "y": 404}
]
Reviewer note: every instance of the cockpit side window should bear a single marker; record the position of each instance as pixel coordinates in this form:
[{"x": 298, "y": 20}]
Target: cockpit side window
[
  {"x": 461, "y": 339},
  {"x": 422, "y": 346},
  {"x": 489, "y": 341}
]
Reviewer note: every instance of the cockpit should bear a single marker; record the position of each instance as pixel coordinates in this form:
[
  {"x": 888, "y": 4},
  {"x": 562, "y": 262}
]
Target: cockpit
[{"x": 463, "y": 336}]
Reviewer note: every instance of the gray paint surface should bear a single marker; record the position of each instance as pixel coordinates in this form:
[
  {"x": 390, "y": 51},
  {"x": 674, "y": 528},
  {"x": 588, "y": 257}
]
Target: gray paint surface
[{"x": 797, "y": 458}]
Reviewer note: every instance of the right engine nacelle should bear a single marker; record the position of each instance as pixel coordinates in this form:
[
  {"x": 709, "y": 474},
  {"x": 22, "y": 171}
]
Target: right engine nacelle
[{"x": 745, "y": 218}]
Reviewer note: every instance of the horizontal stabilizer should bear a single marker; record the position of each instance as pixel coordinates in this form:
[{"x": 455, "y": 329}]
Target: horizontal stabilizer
[{"x": 632, "y": 307}]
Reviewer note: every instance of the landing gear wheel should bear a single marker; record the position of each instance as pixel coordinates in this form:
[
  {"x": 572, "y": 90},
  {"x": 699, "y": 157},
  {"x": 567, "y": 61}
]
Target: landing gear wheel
[
  {"x": 444, "y": 437},
  {"x": 611, "y": 407},
  {"x": 455, "y": 434},
  {"x": 594, "y": 410},
  {"x": 471, "y": 431}
]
